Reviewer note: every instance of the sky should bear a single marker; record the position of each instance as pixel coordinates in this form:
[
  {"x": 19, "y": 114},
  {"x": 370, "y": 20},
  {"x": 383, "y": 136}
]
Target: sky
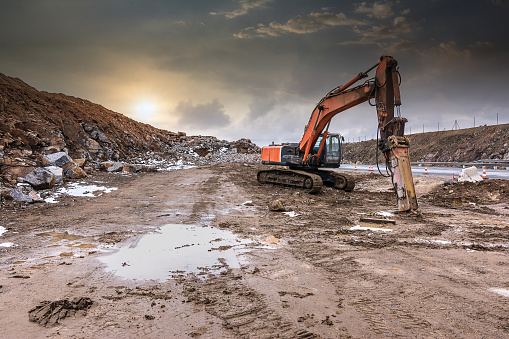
[{"x": 256, "y": 68}]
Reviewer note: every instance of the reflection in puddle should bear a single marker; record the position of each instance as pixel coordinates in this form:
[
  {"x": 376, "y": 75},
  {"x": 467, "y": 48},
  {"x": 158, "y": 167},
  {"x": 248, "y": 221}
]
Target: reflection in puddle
[{"x": 177, "y": 248}]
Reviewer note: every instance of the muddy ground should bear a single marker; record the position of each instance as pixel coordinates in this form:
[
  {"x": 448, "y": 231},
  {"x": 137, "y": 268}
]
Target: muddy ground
[{"x": 439, "y": 273}]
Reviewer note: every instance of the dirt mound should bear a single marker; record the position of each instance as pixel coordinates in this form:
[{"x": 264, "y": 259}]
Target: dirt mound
[
  {"x": 465, "y": 145},
  {"x": 454, "y": 194},
  {"x": 34, "y": 122}
]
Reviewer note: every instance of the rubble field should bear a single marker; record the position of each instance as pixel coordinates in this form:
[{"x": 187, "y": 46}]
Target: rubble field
[{"x": 197, "y": 253}]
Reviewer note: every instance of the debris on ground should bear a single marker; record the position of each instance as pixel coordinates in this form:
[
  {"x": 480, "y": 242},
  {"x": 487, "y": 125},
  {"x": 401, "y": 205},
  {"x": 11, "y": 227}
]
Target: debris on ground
[
  {"x": 276, "y": 206},
  {"x": 50, "y": 313}
]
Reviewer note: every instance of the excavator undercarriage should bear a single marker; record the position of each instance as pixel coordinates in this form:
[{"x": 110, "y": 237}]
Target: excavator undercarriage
[{"x": 312, "y": 182}]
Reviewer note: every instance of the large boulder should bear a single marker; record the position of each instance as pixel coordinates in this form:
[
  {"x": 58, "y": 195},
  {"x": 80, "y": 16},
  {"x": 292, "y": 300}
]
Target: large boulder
[
  {"x": 469, "y": 174},
  {"x": 276, "y": 206},
  {"x": 35, "y": 197},
  {"x": 73, "y": 171},
  {"x": 80, "y": 162},
  {"x": 58, "y": 159},
  {"x": 58, "y": 172},
  {"x": 40, "y": 178},
  {"x": 15, "y": 194},
  {"x": 116, "y": 167},
  {"x": 103, "y": 166},
  {"x": 92, "y": 146}
]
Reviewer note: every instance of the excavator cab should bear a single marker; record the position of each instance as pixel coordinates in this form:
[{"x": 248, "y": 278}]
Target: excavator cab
[{"x": 331, "y": 153}]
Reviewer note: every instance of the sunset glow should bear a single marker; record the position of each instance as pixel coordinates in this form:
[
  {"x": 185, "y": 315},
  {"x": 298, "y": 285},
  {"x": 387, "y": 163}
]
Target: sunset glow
[{"x": 145, "y": 109}]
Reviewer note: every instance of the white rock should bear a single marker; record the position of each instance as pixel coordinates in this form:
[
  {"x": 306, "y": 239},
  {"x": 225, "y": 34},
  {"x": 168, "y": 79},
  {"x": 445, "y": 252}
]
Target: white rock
[{"x": 469, "y": 174}]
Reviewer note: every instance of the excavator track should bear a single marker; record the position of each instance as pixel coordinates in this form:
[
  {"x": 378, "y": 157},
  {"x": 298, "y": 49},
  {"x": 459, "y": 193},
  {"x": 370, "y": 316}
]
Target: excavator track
[
  {"x": 309, "y": 181},
  {"x": 338, "y": 180}
]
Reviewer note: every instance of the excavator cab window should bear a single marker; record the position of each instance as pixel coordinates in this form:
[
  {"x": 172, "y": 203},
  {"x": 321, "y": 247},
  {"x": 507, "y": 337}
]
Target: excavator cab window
[
  {"x": 317, "y": 144},
  {"x": 332, "y": 154}
]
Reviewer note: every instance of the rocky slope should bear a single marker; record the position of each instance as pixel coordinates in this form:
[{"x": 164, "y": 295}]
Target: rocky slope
[
  {"x": 35, "y": 123},
  {"x": 465, "y": 145}
]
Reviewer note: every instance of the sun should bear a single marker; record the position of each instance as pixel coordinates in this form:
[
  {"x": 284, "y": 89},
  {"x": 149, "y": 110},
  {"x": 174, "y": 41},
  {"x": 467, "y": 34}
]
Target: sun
[{"x": 145, "y": 108}]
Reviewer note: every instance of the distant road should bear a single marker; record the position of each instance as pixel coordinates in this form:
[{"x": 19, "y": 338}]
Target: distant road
[{"x": 437, "y": 171}]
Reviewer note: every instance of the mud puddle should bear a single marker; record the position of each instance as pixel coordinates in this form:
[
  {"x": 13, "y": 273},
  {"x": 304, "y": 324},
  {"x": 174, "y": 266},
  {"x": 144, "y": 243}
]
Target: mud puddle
[{"x": 180, "y": 249}]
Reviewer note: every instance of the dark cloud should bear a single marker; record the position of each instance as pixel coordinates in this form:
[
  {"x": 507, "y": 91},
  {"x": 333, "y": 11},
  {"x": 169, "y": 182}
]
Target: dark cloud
[
  {"x": 202, "y": 116},
  {"x": 399, "y": 29},
  {"x": 245, "y": 7},
  {"x": 311, "y": 23},
  {"x": 380, "y": 10}
]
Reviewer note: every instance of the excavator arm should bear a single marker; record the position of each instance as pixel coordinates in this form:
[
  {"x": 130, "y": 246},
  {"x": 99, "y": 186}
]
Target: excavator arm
[
  {"x": 328, "y": 107},
  {"x": 393, "y": 143}
]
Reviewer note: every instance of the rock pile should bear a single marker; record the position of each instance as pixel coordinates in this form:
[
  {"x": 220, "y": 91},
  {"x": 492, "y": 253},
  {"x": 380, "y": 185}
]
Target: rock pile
[
  {"x": 56, "y": 166},
  {"x": 48, "y": 138}
]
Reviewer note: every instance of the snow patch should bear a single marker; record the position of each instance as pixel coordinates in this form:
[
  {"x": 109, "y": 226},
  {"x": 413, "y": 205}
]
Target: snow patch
[
  {"x": 291, "y": 214},
  {"x": 7, "y": 244},
  {"x": 365, "y": 228},
  {"x": 179, "y": 165},
  {"x": 501, "y": 291},
  {"x": 51, "y": 200},
  {"x": 385, "y": 214},
  {"x": 80, "y": 190},
  {"x": 2, "y": 230}
]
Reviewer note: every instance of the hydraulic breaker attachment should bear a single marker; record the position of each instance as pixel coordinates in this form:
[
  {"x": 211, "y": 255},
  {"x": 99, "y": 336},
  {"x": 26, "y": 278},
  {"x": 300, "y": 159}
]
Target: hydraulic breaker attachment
[{"x": 398, "y": 162}]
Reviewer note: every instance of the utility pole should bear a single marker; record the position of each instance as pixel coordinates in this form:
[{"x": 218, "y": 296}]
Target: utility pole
[
  {"x": 497, "y": 118},
  {"x": 474, "y": 120},
  {"x": 422, "y": 128}
]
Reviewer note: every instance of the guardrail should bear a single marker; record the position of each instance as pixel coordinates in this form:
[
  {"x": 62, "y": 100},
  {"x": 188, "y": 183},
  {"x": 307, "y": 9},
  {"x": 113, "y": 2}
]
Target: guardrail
[{"x": 492, "y": 163}]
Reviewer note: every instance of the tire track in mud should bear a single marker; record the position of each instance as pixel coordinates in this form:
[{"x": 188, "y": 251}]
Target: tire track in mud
[
  {"x": 367, "y": 296},
  {"x": 244, "y": 311},
  {"x": 391, "y": 296}
]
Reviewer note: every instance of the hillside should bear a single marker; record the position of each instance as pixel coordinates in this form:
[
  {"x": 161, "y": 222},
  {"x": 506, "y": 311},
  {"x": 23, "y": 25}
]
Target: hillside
[
  {"x": 34, "y": 122},
  {"x": 464, "y": 145}
]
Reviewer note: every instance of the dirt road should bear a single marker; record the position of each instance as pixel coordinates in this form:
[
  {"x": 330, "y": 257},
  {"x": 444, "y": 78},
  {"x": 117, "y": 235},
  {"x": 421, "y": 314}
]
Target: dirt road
[{"x": 317, "y": 272}]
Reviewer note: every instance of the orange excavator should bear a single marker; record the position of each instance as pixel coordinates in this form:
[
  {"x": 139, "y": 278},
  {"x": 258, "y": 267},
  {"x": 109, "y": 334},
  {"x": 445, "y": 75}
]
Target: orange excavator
[{"x": 306, "y": 161}]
